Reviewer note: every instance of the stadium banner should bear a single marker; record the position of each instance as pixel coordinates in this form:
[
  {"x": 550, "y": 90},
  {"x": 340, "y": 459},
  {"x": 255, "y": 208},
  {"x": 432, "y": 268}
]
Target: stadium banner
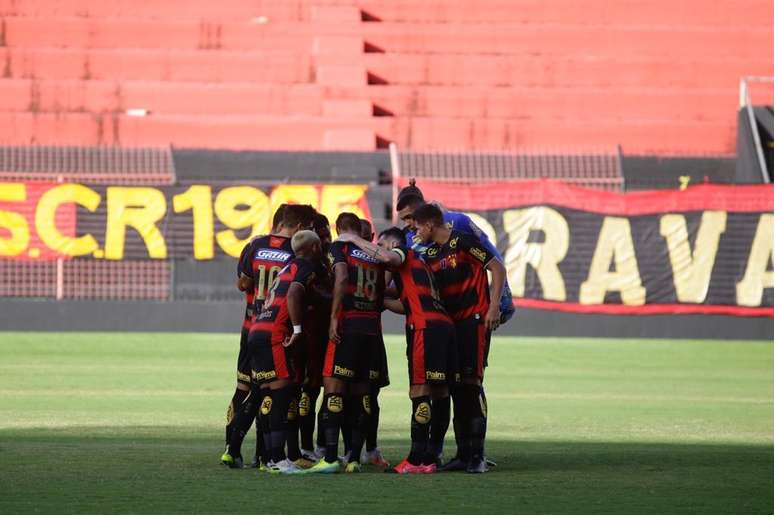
[
  {"x": 48, "y": 221},
  {"x": 705, "y": 249}
]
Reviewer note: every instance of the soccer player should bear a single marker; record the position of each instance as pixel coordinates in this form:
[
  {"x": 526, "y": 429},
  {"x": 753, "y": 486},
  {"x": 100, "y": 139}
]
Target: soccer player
[
  {"x": 460, "y": 263},
  {"x": 276, "y": 333},
  {"x": 358, "y": 295},
  {"x": 264, "y": 258},
  {"x": 372, "y": 454},
  {"x": 411, "y": 197},
  {"x": 316, "y": 320},
  {"x": 431, "y": 348},
  {"x": 243, "y": 359}
]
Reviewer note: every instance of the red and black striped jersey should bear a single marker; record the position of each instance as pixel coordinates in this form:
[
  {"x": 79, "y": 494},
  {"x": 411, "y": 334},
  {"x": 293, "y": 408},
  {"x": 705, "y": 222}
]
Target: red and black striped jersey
[
  {"x": 418, "y": 293},
  {"x": 364, "y": 293},
  {"x": 242, "y": 265},
  {"x": 459, "y": 270},
  {"x": 274, "y": 316},
  {"x": 265, "y": 257}
]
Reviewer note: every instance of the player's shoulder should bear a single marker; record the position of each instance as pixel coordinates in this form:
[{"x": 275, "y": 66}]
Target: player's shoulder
[{"x": 277, "y": 241}]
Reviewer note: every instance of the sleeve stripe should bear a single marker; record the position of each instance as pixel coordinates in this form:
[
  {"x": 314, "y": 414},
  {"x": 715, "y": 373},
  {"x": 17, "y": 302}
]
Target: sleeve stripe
[{"x": 400, "y": 253}]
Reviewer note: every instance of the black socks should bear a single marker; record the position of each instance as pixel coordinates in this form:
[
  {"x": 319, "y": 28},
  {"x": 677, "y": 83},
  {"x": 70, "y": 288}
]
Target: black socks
[
  {"x": 439, "y": 425},
  {"x": 330, "y": 424},
  {"x": 236, "y": 401},
  {"x": 421, "y": 415}
]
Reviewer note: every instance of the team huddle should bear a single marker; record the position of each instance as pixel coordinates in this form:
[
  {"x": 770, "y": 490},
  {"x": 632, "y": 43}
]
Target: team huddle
[{"x": 313, "y": 322}]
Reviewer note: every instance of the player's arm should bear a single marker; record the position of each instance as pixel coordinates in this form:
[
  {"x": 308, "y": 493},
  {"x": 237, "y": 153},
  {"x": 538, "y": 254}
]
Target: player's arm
[
  {"x": 469, "y": 226},
  {"x": 340, "y": 278},
  {"x": 295, "y": 300},
  {"x": 496, "y": 267},
  {"x": 493, "y": 264},
  {"x": 244, "y": 281},
  {"x": 394, "y": 305},
  {"x": 387, "y": 257}
]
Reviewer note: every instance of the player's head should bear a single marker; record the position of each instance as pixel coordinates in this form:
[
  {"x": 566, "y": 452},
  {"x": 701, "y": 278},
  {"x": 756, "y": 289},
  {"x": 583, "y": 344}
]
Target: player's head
[
  {"x": 428, "y": 219},
  {"x": 348, "y": 222},
  {"x": 366, "y": 230},
  {"x": 276, "y": 223},
  {"x": 409, "y": 199},
  {"x": 322, "y": 227},
  {"x": 307, "y": 213},
  {"x": 296, "y": 218},
  {"x": 391, "y": 238},
  {"x": 306, "y": 244}
]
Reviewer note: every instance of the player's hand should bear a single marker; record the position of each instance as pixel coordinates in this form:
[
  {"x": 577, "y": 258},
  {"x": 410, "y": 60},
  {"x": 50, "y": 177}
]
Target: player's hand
[
  {"x": 292, "y": 340},
  {"x": 333, "y": 332},
  {"x": 492, "y": 319}
]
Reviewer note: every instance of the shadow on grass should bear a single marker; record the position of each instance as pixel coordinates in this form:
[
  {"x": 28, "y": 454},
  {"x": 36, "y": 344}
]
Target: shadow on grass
[{"x": 151, "y": 469}]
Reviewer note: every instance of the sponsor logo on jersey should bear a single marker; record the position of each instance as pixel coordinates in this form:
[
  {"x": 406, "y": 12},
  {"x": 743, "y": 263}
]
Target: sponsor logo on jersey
[
  {"x": 453, "y": 243},
  {"x": 432, "y": 251},
  {"x": 361, "y": 255},
  {"x": 478, "y": 254},
  {"x": 272, "y": 255}
]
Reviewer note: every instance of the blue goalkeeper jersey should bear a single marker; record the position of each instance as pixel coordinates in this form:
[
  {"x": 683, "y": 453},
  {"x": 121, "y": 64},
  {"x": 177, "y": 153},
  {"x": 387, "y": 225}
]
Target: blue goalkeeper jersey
[{"x": 462, "y": 223}]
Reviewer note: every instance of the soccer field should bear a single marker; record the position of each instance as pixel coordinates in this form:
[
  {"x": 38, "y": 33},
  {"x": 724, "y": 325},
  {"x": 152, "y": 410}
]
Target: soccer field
[{"x": 134, "y": 423}]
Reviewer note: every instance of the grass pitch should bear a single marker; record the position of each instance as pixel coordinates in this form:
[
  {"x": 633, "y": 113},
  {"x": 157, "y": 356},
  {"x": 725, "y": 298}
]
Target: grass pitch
[{"x": 134, "y": 423}]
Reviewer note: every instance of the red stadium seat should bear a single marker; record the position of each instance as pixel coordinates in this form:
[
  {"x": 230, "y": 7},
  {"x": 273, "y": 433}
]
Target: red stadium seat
[{"x": 346, "y": 74}]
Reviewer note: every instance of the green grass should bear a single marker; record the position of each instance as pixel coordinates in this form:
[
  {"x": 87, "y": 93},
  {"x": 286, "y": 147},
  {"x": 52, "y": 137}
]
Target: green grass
[{"x": 133, "y": 423}]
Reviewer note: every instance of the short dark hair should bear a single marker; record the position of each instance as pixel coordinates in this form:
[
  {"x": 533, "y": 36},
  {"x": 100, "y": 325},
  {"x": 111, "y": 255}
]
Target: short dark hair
[
  {"x": 320, "y": 222},
  {"x": 411, "y": 195},
  {"x": 348, "y": 222},
  {"x": 366, "y": 229},
  {"x": 279, "y": 214},
  {"x": 307, "y": 215},
  {"x": 413, "y": 202},
  {"x": 296, "y": 214},
  {"x": 429, "y": 213},
  {"x": 393, "y": 232}
]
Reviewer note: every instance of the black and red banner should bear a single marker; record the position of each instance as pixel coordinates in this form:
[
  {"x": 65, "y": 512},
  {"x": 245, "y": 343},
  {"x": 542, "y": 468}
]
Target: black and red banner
[{"x": 706, "y": 249}]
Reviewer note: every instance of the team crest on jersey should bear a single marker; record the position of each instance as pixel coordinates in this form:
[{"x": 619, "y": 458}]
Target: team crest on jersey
[
  {"x": 478, "y": 254},
  {"x": 272, "y": 255},
  {"x": 362, "y": 256}
]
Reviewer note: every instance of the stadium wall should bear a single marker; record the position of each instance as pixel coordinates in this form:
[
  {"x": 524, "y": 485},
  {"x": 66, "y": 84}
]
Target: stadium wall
[
  {"x": 180, "y": 316},
  {"x": 203, "y": 297}
]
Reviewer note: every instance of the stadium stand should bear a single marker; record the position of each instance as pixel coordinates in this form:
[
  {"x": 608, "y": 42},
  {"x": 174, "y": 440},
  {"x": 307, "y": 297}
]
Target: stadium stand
[{"x": 357, "y": 75}]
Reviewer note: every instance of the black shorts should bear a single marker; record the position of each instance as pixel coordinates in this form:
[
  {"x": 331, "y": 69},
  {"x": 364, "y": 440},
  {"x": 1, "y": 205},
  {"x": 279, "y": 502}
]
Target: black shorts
[
  {"x": 244, "y": 367},
  {"x": 379, "y": 372},
  {"x": 432, "y": 355},
  {"x": 270, "y": 360},
  {"x": 352, "y": 357},
  {"x": 472, "y": 346}
]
